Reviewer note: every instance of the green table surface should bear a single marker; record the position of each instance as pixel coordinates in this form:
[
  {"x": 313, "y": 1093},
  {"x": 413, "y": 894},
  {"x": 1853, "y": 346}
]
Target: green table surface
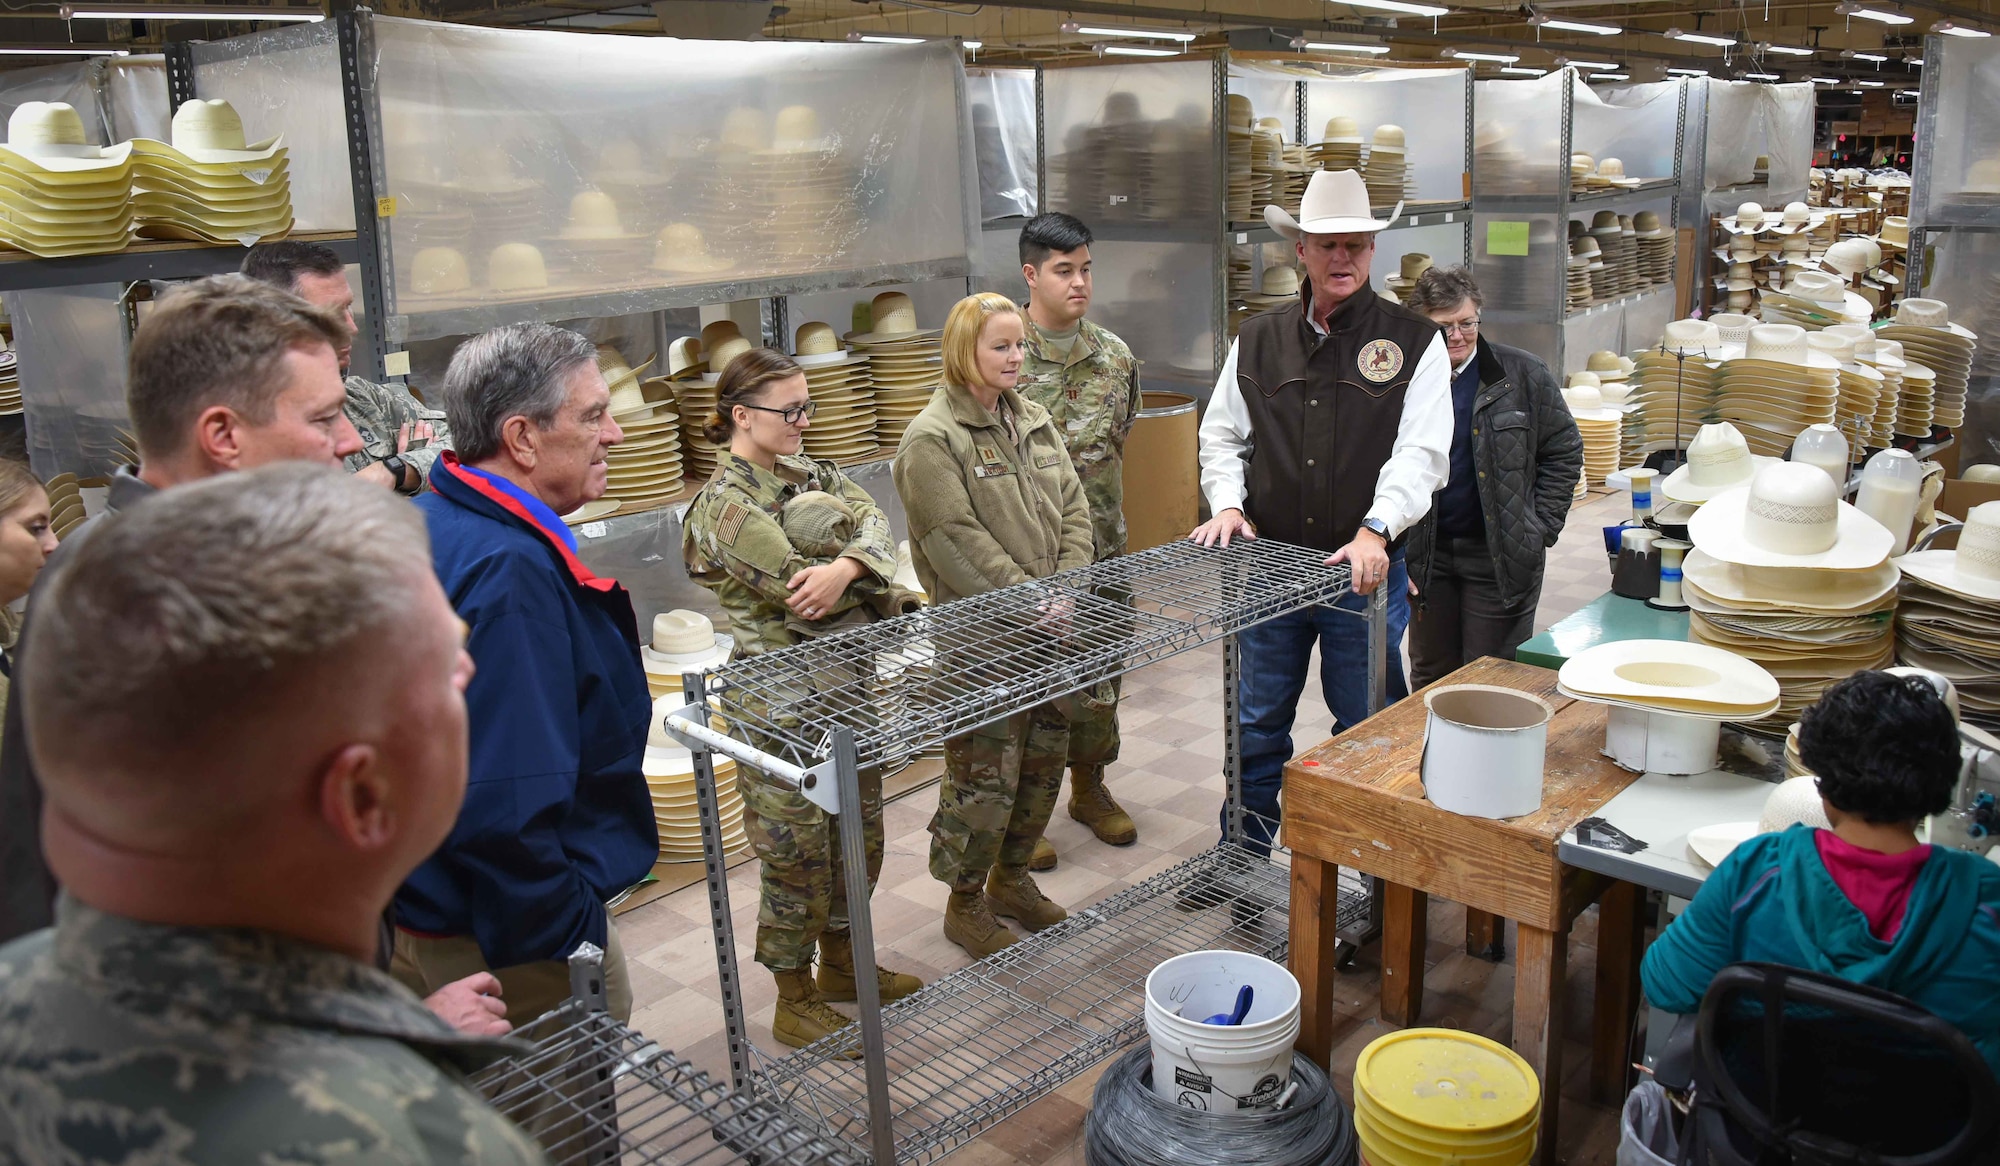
[{"x": 1604, "y": 619}]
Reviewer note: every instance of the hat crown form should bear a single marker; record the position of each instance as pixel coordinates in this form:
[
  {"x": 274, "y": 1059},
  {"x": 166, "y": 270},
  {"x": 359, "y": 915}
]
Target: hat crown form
[
  {"x": 1796, "y": 213},
  {"x": 1391, "y": 136},
  {"x": 593, "y": 212},
  {"x": 1783, "y": 343},
  {"x": 1646, "y": 221},
  {"x": 893, "y": 314},
  {"x": 1585, "y": 245},
  {"x": 436, "y": 270},
  {"x": 1604, "y": 360},
  {"x": 746, "y": 128},
  {"x": 1818, "y": 286},
  {"x": 1281, "y": 280},
  {"x": 1415, "y": 264},
  {"x": 815, "y": 338},
  {"x": 1849, "y": 257},
  {"x": 1338, "y": 127},
  {"x": 1584, "y": 377},
  {"x": 1979, "y": 542},
  {"x": 1794, "y": 243},
  {"x": 1793, "y": 509},
  {"x": 1689, "y": 336},
  {"x": 48, "y": 127},
  {"x": 1751, "y": 213},
  {"x": 1718, "y": 457},
  {"x": 1604, "y": 220},
  {"x": 1923, "y": 313},
  {"x": 1583, "y": 398},
  {"x": 682, "y": 633},
  {"x": 1242, "y": 114},
  {"x": 716, "y": 331},
  {"x": 516, "y": 267},
  {"x": 1840, "y": 348},
  {"x": 1732, "y": 327},
  {"x": 213, "y": 124},
  {"x": 681, "y": 239},
  {"x": 796, "y": 125},
  {"x": 1612, "y": 167},
  {"x": 724, "y": 352}
]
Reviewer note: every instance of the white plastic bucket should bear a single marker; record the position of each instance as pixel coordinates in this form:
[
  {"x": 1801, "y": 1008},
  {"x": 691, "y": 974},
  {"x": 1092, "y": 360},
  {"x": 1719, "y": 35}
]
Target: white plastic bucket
[
  {"x": 1484, "y": 748},
  {"x": 1219, "y": 1067}
]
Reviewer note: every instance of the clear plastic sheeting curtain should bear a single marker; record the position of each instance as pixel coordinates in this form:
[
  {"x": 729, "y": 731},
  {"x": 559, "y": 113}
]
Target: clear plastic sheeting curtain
[
  {"x": 1133, "y": 143},
  {"x": 1272, "y": 93},
  {"x": 74, "y": 83},
  {"x": 531, "y": 170},
  {"x": 135, "y": 98},
  {"x": 1624, "y": 327},
  {"x": 1632, "y": 123},
  {"x": 119, "y": 98},
  {"x": 1429, "y": 104},
  {"x": 287, "y": 81},
  {"x": 1964, "y": 134},
  {"x": 1519, "y": 259},
  {"x": 1963, "y": 269},
  {"x": 1746, "y": 120},
  {"x": 1517, "y": 137},
  {"x": 71, "y": 348},
  {"x": 1003, "y": 140}
]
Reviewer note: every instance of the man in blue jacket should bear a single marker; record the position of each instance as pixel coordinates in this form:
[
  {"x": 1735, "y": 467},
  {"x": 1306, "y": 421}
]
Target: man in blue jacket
[
  {"x": 1864, "y": 901},
  {"x": 557, "y": 816}
]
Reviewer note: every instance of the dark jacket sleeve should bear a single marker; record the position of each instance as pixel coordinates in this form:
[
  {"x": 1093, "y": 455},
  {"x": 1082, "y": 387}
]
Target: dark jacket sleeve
[
  {"x": 27, "y": 889},
  {"x": 1558, "y": 454}
]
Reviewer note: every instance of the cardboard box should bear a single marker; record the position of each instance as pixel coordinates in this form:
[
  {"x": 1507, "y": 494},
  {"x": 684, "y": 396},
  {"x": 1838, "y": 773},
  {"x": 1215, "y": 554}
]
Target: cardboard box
[
  {"x": 1960, "y": 496},
  {"x": 1846, "y": 127}
]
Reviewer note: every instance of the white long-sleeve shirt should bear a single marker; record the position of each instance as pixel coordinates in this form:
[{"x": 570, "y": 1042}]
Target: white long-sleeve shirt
[{"x": 1417, "y": 465}]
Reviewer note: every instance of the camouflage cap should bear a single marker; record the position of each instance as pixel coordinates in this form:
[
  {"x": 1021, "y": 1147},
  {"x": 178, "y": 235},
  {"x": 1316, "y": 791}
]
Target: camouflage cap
[{"x": 817, "y": 523}]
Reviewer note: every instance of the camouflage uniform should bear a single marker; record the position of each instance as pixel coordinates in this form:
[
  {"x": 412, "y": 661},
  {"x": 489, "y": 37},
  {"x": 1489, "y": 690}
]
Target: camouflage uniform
[
  {"x": 1094, "y": 397},
  {"x": 379, "y": 413},
  {"x": 986, "y": 816},
  {"x": 734, "y": 545},
  {"x": 123, "y": 1041}
]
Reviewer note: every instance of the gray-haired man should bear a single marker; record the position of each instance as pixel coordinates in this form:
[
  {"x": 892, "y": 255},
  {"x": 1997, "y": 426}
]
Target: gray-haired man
[{"x": 234, "y": 791}]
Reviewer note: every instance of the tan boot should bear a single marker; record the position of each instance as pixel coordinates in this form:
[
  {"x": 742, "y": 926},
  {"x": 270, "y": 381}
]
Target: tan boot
[
  {"x": 1092, "y": 804},
  {"x": 1045, "y": 855},
  {"x": 803, "y": 1014},
  {"x": 969, "y": 923},
  {"x": 1014, "y": 895},
  {"x": 836, "y": 972}
]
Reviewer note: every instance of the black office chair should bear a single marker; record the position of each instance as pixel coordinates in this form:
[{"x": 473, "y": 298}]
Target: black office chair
[{"x": 1794, "y": 1068}]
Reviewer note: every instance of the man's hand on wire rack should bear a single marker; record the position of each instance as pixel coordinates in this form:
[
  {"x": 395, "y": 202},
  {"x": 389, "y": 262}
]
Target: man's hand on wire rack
[
  {"x": 472, "y": 1005},
  {"x": 1367, "y": 559},
  {"x": 1219, "y": 530}
]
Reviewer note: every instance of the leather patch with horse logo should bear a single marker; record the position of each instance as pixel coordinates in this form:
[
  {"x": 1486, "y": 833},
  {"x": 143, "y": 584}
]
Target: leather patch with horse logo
[{"x": 1380, "y": 360}]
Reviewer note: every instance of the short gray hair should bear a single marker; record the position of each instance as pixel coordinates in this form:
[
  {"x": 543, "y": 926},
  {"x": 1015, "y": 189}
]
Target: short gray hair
[
  {"x": 1438, "y": 289},
  {"x": 521, "y": 370},
  {"x": 176, "y": 622}
]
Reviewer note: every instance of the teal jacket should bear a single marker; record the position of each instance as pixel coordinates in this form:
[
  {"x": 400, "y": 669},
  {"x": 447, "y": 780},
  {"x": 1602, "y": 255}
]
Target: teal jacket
[{"x": 1772, "y": 901}]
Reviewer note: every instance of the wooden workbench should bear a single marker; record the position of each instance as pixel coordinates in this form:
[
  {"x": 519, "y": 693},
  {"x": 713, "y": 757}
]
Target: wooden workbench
[{"x": 1358, "y": 801}]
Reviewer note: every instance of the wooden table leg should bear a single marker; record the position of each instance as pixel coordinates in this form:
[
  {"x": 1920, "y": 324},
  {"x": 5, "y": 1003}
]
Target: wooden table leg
[
  {"x": 1620, "y": 942},
  {"x": 1485, "y": 935},
  {"x": 1541, "y": 960},
  {"x": 1405, "y": 931},
  {"x": 1314, "y": 918}
]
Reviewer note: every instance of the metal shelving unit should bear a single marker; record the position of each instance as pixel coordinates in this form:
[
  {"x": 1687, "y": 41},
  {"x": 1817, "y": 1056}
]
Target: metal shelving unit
[{"x": 936, "y": 1068}]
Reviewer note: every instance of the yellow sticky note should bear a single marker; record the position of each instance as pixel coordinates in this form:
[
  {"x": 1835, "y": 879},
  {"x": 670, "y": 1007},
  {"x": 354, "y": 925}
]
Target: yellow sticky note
[
  {"x": 1506, "y": 238},
  {"x": 385, "y": 208},
  {"x": 396, "y": 364}
]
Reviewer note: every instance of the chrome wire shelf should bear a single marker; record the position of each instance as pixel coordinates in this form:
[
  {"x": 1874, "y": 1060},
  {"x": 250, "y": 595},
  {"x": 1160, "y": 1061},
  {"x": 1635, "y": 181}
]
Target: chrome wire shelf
[
  {"x": 908, "y": 684},
  {"x": 986, "y": 1041},
  {"x": 594, "y": 1091}
]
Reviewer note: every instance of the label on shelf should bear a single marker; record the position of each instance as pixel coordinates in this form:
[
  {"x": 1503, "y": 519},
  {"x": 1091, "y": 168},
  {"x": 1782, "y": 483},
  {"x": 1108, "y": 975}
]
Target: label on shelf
[
  {"x": 1506, "y": 238},
  {"x": 385, "y": 208},
  {"x": 592, "y": 529}
]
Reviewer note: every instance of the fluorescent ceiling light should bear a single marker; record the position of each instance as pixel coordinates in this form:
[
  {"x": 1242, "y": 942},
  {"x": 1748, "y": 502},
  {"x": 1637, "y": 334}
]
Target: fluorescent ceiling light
[
  {"x": 1523, "y": 71},
  {"x": 1579, "y": 26},
  {"x": 1762, "y": 77},
  {"x": 1137, "y": 51},
  {"x": 1323, "y": 46},
  {"x": 972, "y": 46},
  {"x": 1789, "y": 50},
  {"x": 1495, "y": 58},
  {"x": 1824, "y": 80},
  {"x": 1852, "y": 55},
  {"x": 1397, "y": 6},
  {"x": 188, "y": 12},
  {"x": 1701, "y": 38},
  {"x": 1872, "y": 84},
  {"x": 1917, "y": 61},
  {"x": 64, "y": 51},
  {"x": 1599, "y": 66},
  {"x": 879, "y": 38},
  {"x": 1908, "y": 93},
  {"x": 1138, "y": 33},
  {"x": 1610, "y": 77},
  {"x": 1689, "y": 72},
  {"x": 1949, "y": 29},
  {"x": 1878, "y": 15}
]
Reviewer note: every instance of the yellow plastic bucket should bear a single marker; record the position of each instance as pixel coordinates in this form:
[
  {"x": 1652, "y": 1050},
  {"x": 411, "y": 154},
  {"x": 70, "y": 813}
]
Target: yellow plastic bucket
[{"x": 1439, "y": 1097}]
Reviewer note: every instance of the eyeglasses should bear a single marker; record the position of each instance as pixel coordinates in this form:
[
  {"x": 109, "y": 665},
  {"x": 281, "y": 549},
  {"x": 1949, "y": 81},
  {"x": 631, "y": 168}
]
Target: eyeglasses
[
  {"x": 793, "y": 415},
  {"x": 1465, "y": 328}
]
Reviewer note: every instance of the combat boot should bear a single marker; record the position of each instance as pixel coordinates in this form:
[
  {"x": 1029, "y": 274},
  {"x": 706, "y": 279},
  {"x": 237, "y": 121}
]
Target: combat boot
[
  {"x": 1092, "y": 804},
  {"x": 969, "y": 923},
  {"x": 1013, "y": 894},
  {"x": 1045, "y": 855},
  {"x": 803, "y": 1014},
  {"x": 836, "y": 972}
]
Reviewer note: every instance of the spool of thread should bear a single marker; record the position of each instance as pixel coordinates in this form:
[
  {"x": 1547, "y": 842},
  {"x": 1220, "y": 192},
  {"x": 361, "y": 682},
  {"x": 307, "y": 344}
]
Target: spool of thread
[
  {"x": 1642, "y": 493},
  {"x": 1672, "y": 550}
]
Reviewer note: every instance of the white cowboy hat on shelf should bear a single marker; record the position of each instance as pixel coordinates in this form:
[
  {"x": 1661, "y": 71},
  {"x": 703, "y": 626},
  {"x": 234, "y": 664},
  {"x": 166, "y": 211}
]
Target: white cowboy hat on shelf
[
  {"x": 1789, "y": 588},
  {"x": 1773, "y": 345},
  {"x": 1718, "y": 460},
  {"x": 1693, "y": 338},
  {"x": 1335, "y": 203},
  {"x": 684, "y": 641},
  {"x": 817, "y": 345},
  {"x": 48, "y": 135},
  {"x": 1749, "y": 219},
  {"x": 1823, "y": 293},
  {"x": 1916, "y": 312},
  {"x": 1797, "y": 217},
  {"x": 1790, "y": 515},
  {"x": 210, "y": 133},
  {"x": 1586, "y": 403},
  {"x": 1671, "y": 676},
  {"x": 1973, "y": 569}
]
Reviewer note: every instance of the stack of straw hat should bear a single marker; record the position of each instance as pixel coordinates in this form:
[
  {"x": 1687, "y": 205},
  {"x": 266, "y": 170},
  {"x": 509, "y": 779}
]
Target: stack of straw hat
[
  {"x": 906, "y": 363},
  {"x": 1924, "y": 328},
  {"x": 1278, "y": 286},
  {"x": 1581, "y": 167},
  {"x": 1440, "y": 1095},
  {"x": 1240, "y": 192},
  {"x": 1339, "y": 148},
  {"x": 595, "y": 240},
  {"x": 680, "y": 249},
  {"x": 668, "y": 767},
  {"x": 211, "y": 184},
  {"x": 1777, "y": 387},
  {"x": 1654, "y": 241},
  {"x": 1599, "y": 426},
  {"x": 1614, "y": 385},
  {"x": 1813, "y": 299},
  {"x": 1717, "y": 462},
  {"x": 645, "y": 469},
  {"x": 807, "y": 202},
  {"x": 1785, "y": 574},
  {"x": 1885, "y": 357},
  {"x": 683, "y": 641},
  {"x": 843, "y": 427},
  {"x": 1671, "y": 676},
  {"x": 66, "y": 511},
  {"x": 482, "y": 198},
  {"x": 1621, "y": 262},
  {"x": 1675, "y": 384},
  {"x": 645, "y": 193},
  {"x": 1948, "y": 618},
  {"x": 10, "y": 382},
  {"x": 1597, "y": 275},
  {"x": 1861, "y": 383},
  {"x": 1270, "y": 175},
  {"x": 60, "y": 195},
  {"x": 695, "y": 394},
  {"x": 1388, "y": 171},
  {"x": 1413, "y": 264},
  {"x": 1501, "y": 162}
]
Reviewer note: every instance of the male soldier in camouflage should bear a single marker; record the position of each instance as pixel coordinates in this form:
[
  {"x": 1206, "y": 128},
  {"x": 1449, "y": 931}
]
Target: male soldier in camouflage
[
  {"x": 735, "y": 544},
  {"x": 400, "y": 435},
  {"x": 234, "y": 790},
  {"x": 1089, "y": 382}
]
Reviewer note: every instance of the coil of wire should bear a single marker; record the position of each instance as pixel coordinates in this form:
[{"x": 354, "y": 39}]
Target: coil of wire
[{"x": 1129, "y": 1126}]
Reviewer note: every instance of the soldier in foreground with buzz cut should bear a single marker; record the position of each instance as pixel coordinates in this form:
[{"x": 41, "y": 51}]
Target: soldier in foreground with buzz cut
[{"x": 234, "y": 790}]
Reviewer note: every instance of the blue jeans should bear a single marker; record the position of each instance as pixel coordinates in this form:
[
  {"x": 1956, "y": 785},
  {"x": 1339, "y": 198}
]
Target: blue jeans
[{"x": 1275, "y": 657}]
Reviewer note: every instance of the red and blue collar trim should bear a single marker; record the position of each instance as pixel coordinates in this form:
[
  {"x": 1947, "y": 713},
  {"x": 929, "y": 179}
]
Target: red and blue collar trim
[{"x": 530, "y": 511}]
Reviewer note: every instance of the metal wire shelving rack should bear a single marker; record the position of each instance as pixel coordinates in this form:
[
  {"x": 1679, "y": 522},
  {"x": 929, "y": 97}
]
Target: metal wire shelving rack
[{"x": 924, "y": 1076}]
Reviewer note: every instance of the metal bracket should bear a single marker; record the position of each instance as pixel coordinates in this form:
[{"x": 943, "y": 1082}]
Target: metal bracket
[
  {"x": 586, "y": 976},
  {"x": 357, "y": 82},
  {"x": 688, "y": 725},
  {"x": 180, "y": 73}
]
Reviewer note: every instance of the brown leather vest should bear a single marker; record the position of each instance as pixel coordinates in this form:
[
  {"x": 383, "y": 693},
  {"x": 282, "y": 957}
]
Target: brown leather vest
[{"x": 1324, "y": 412}]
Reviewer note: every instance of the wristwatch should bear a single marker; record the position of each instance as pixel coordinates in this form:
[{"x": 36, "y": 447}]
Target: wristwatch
[
  {"x": 1377, "y": 526},
  {"x": 398, "y": 470}
]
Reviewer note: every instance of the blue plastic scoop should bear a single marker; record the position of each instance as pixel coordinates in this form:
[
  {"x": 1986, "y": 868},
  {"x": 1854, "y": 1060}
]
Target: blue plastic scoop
[{"x": 1243, "y": 997}]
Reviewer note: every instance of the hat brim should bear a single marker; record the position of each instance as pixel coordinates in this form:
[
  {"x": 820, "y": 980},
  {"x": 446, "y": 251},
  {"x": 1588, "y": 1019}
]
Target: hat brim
[
  {"x": 1779, "y": 586},
  {"x": 835, "y": 359},
  {"x": 1671, "y": 675},
  {"x": 671, "y": 663},
  {"x": 1940, "y": 569},
  {"x": 591, "y": 511},
  {"x": 1680, "y": 485},
  {"x": 707, "y": 265},
  {"x": 1958, "y": 330},
  {"x": 892, "y": 337},
  {"x": 110, "y": 158},
  {"x": 1281, "y": 221},
  {"x": 1717, "y": 529}
]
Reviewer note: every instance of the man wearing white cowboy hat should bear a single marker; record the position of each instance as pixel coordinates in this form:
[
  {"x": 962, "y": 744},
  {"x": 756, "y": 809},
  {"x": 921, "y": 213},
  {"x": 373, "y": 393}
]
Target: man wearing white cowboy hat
[
  {"x": 400, "y": 435},
  {"x": 1330, "y": 427}
]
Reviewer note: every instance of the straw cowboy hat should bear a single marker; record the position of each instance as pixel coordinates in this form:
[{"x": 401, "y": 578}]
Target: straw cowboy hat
[
  {"x": 1278, "y": 285},
  {"x": 1413, "y": 265},
  {"x": 1608, "y": 365},
  {"x": 1718, "y": 460},
  {"x": 1691, "y": 338},
  {"x": 1335, "y": 203},
  {"x": 684, "y": 641},
  {"x": 48, "y": 135},
  {"x": 1924, "y": 313},
  {"x": 1750, "y": 219},
  {"x": 817, "y": 345},
  {"x": 1790, "y": 515},
  {"x": 1768, "y": 589},
  {"x": 1583, "y": 377},
  {"x": 439, "y": 271},
  {"x": 1824, "y": 292},
  {"x": 1972, "y": 570},
  {"x": 1895, "y": 232},
  {"x": 516, "y": 267},
  {"x": 1780, "y": 349},
  {"x": 1797, "y": 217},
  {"x": 893, "y": 317},
  {"x": 1671, "y": 675},
  {"x": 680, "y": 248},
  {"x": 1586, "y": 403},
  {"x": 1339, "y": 128},
  {"x": 211, "y": 133}
]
